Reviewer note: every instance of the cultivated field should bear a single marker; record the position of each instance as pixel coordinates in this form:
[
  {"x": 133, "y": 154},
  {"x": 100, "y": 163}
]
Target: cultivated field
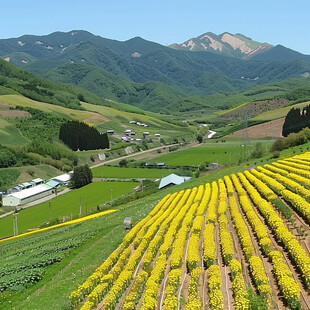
[
  {"x": 242, "y": 241},
  {"x": 269, "y": 129}
]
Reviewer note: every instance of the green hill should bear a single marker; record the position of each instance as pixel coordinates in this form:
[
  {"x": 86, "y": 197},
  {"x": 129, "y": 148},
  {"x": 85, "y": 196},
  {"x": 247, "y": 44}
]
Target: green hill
[{"x": 112, "y": 69}]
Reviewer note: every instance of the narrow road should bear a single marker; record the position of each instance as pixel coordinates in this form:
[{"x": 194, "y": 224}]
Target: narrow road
[{"x": 192, "y": 144}]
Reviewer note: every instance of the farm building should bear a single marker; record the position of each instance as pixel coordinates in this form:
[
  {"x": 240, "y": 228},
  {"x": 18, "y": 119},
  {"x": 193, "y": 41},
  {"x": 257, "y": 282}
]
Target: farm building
[
  {"x": 172, "y": 179},
  {"x": 62, "y": 179},
  {"x": 37, "y": 181},
  {"x": 27, "y": 195},
  {"x": 53, "y": 183}
]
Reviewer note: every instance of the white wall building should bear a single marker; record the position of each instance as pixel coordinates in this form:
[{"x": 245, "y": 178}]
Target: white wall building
[{"x": 27, "y": 195}]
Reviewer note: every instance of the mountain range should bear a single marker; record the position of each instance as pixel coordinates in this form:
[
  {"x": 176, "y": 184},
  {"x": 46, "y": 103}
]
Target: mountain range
[
  {"x": 239, "y": 46},
  {"x": 150, "y": 75}
]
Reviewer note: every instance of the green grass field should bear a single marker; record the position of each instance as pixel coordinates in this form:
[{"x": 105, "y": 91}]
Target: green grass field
[
  {"x": 10, "y": 135},
  {"x": 229, "y": 152},
  {"x": 129, "y": 173},
  {"x": 68, "y": 204},
  {"x": 103, "y": 236}
]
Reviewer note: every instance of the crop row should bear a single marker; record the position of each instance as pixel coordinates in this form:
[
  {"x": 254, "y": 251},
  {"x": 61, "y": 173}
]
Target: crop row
[{"x": 178, "y": 239}]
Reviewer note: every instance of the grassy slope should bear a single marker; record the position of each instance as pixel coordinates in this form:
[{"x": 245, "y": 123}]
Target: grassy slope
[
  {"x": 224, "y": 153},
  {"x": 62, "y": 278},
  {"x": 89, "y": 196},
  {"x": 128, "y": 173},
  {"x": 102, "y": 117},
  {"x": 271, "y": 115}
]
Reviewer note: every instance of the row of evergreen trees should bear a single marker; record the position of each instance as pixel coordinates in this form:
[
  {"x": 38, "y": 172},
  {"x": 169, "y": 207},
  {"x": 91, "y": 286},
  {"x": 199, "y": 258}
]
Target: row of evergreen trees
[
  {"x": 296, "y": 120},
  {"x": 82, "y": 175},
  {"x": 78, "y": 135}
]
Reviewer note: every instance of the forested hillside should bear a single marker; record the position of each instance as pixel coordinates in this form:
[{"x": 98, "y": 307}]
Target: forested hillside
[{"x": 144, "y": 73}]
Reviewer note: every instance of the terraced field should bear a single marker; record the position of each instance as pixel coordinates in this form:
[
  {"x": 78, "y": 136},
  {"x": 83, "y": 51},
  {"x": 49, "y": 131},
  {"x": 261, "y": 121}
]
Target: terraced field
[{"x": 241, "y": 242}]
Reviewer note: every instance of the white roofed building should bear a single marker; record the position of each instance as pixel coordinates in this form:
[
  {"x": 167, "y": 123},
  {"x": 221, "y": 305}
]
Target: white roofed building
[
  {"x": 27, "y": 195},
  {"x": 63, "y": 179},
  {"x": 172, "y": 179}
]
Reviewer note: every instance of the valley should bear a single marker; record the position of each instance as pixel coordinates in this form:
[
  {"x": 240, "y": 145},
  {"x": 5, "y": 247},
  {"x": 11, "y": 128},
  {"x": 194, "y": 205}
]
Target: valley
[{"x": 233, "y": 234}]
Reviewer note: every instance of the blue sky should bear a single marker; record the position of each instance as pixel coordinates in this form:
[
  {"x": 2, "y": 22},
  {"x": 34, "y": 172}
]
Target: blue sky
[{"x": 283, "y": 22}]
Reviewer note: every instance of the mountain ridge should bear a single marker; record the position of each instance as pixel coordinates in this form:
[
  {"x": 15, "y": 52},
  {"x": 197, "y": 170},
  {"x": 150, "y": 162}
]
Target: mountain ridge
[{"x": 112, "y": 69}]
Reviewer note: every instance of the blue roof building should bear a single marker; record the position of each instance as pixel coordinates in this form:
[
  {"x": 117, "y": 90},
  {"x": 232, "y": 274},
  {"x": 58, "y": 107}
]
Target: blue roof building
[{"x": 172, "y": 179}]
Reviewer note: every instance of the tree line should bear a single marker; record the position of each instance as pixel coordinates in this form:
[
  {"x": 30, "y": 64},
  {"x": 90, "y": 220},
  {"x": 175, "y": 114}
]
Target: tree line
[
  {"x": 295, "y": 120},
  {"x": 78, "y": 135}
]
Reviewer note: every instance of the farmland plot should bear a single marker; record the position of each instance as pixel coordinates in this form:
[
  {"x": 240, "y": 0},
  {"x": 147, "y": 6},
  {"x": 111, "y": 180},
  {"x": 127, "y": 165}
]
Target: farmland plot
[{"x": 228, "y": 244}]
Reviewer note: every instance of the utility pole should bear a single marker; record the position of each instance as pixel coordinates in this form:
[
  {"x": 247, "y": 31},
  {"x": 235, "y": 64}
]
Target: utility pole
[
  {"x": 80, "y": 207},
  {"x": 14, "y": 229},
  {"x": 111, "y": 193},
  {"x": 49, "y": 204},
  {"x": 15, "y": 224}
]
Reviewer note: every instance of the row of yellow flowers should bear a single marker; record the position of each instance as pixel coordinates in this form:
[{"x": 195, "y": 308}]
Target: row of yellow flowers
[
  {"x": 175, "y": 226},
  {"x": 280, "y": 230},
  {"x": 154, "y": 245},
  {"x": 295, "y": 161},
  {"x": 178, "y": 245},
  {"x": 295, "y": 170},
  {"x": 240, "y": 292},
  {"x": 265, "y": 244},
  {"x": 132, "y": 298},
  {"x": 94, "y": 280},
  {"x": 290, "y": 184},
  {"x": 288, "y": 286},
  {"x": 257, "y": 269},
  {"x": 151, "y": 220},
  {"x": 293, "y": 176},
  {"x": 225, "y": 237},
  {"x": 125, "y": 277},
  {"x": 259, "y": 276},
  {"x": 239, "y": 224},
  {"x": 298, "y": 202},
  {"x": 214, "y": 288},
  {"x": 211, "y": 215},
  {"x": 209, "y": 247},
  {"x": 268, "y": 187},
  {"x": 79, "y": 220},
  {"x": 204, "y": 200},
  {"x": 149, "y": 300},
  {"x": 256, "y": 224},
  {"x": 193, "y": 301},
  {"x": 170, "y": 295}
]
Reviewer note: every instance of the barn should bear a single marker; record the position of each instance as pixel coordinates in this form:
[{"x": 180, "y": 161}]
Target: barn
[
  {"x": 172, "y": 179},
  {"x": 27, "y": 195},
  {"x": 62, "y": 179}
]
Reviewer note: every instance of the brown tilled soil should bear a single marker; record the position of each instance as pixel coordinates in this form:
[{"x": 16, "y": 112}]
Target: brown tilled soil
[
  {"x": 268, "y": 129},
  {"x": 95, "y": 118},
  {"x": 254, "y": 108},
  {"x": 14, "y": 113}
]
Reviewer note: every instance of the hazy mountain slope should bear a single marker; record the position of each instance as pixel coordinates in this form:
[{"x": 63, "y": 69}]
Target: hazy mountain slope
[
  {"x": 112, "y": 68},
  {"x": 281, "y": 53}
]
